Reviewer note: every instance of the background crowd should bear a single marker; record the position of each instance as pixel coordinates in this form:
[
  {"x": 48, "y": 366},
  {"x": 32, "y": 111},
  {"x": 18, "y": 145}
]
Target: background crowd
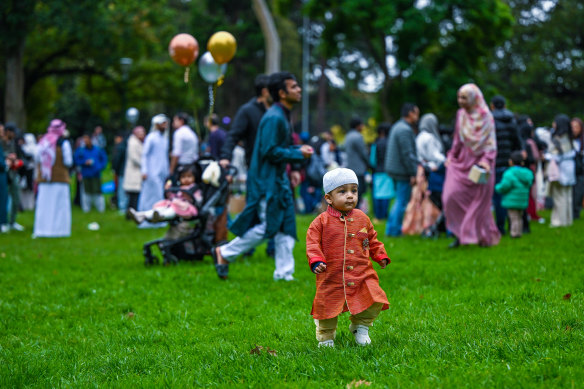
[{"x": 421, "y": 176}]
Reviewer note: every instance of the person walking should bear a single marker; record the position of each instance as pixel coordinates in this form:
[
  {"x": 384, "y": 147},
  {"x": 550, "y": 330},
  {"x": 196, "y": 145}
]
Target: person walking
[
  {"x": 401, "y": 164},
  {"x": 3, "y": 187},
  {"x": 246, "y": 121},
  {"x": 92, "y": 161},
  {"x": 561, "y": 171},
  {"x": 52, "y": 217},
  {"x": 382, "y": 190},
  {"x": 578, "y": 144},
  {"x": 269, "y": 211},
  {"x": 357, "y": 158},
  {"x": 467, "y": 204},
  {"x": 185, "y": 143},
  {"x": 14, "y": 156},
  {"x": 217, "y": 136},
  {"x": 154, "y": 166},
  {"x": 508, "y": 140},
  {"x": 132, "y": 172}
]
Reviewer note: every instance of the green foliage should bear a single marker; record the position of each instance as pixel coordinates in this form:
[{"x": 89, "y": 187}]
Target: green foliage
[
  {"x": 84, "y": 311},
  {"x": 436, "y": 48},
  {"x": 539, "y": 69}
]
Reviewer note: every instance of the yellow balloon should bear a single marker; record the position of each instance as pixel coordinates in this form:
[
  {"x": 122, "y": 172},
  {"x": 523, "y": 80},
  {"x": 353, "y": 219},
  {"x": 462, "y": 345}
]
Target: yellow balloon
[{"x": 222, "y": 47}]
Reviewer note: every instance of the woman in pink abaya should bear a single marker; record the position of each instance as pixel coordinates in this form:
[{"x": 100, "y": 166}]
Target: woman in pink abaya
[{"x": 467, "y": 205}]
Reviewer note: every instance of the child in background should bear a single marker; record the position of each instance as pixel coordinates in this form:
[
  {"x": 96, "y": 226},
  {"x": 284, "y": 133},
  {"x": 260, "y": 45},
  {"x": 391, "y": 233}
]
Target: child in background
[
  {"x": 515, "y": 186},
  {"x": 339, "y": 243},
  {"x": 180, "y": 201}
]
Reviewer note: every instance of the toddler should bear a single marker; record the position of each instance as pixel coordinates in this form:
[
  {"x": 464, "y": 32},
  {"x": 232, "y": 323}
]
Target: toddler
[
  {"x": 179, "y": 201},
  {"x": 339, "y": 243},
  {"x": 515, "y": 186}
]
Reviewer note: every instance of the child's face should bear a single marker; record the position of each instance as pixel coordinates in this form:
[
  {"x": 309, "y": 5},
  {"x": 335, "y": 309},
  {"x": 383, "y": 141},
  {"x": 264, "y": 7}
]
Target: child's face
[
  {"x": 187, "y": 178},
  {"x": 344, "y": 198}
]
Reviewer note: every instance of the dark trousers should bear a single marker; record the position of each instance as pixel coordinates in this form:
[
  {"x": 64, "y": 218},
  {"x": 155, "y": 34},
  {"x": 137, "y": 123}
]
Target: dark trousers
[
  {"x": 133, "y": 199},
  {"x": 500, "y": 212}
]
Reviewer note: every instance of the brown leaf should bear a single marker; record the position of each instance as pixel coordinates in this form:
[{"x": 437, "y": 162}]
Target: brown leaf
[
  {"x": 567, "y": 296},
  {"x": 272, "y": 352},
  {"x": 256, "y": 350},
  {"x": 421, "y": 296},
  {"x": 356, "y": 384},
  {"x": 568, "y": 328},
  {"x": 130, "y": 315},
  {"x": 537, "y": 280}
]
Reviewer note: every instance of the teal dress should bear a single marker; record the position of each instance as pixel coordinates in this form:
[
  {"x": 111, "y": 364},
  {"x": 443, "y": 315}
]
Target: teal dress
[
  {"x": 267, "y": 177},
  {"x": 3, "y": 189}
]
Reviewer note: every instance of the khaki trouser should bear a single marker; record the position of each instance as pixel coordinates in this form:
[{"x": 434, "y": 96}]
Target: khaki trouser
[
  {"x": 326, "y": 329},
  {"x": 516, "y": 222}
]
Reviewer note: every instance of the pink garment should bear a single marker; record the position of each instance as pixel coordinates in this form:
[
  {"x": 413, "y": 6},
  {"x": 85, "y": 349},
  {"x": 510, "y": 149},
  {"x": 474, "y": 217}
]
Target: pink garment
[
  {"x": 48, "y": 147},
  {"x": 467, "y": 206},
  {"x": 181, "y": 203}
]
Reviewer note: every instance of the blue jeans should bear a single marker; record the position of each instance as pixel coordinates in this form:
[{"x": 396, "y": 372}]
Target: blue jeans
[
  {"x": 403, "y": 191},
  {"x": 500, "y": 212},
  {"x": 380, "y": 208}
]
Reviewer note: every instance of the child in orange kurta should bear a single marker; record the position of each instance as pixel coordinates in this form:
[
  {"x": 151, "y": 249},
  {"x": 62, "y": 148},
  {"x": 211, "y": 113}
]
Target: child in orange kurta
[{"x": 339, "y": 243}]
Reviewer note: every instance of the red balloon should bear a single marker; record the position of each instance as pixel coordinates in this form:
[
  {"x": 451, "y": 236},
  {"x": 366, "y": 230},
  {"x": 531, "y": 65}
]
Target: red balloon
[{"x": 183, "y": 49}]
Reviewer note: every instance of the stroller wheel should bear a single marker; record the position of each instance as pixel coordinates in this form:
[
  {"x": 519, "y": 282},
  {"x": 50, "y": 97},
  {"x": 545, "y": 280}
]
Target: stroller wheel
[
  {"x": 170, "y": 259},
  {"x": 150, "y": 260}
]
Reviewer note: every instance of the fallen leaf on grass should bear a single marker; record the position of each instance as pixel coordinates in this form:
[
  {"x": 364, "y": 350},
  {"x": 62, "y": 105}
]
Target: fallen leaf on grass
[
  {"x": 567, "y": 296},
  {"x": 356, "y": 384},
  {"x": 130, "y": 315},
  {"x": 421, "y": 296},
  {"x": 537, "y": 280},
  {"x": 568, "y": 328},
  {"x": 258, "y": 350}
]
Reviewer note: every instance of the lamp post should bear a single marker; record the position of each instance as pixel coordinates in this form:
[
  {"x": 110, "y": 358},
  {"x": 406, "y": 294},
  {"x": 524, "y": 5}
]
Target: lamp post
[{"x": 125, "y": 64}]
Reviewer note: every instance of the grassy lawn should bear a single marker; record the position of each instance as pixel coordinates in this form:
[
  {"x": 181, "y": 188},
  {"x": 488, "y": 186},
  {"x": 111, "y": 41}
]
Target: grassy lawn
[{"x": 84, "y": 311}]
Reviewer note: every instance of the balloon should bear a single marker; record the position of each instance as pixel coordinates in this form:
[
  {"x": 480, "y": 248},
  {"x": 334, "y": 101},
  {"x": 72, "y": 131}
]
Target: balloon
[
  {"x": 132, "y": 115},
  {"x": 209, "y": 70},
  {"x": 222, "y": 47},
  {"x": 183, "y": 49}
]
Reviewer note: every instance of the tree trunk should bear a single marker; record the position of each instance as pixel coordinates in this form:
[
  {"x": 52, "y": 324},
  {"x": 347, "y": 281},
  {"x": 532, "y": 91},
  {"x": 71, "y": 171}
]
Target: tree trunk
[
  {"x": 14, "y": 110},
  {"x": 273, "y": 48},
  {"x": 321, "y": 98}
]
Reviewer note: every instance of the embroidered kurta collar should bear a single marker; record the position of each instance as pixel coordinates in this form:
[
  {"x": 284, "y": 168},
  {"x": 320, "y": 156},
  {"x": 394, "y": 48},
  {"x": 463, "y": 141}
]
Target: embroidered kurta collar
[
  {"x": 333, "y": 212},
  {"x": 286, "y": 110}
]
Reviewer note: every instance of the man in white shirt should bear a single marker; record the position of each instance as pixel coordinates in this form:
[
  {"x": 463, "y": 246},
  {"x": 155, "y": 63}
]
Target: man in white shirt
[{"x": 185, "y": 143}]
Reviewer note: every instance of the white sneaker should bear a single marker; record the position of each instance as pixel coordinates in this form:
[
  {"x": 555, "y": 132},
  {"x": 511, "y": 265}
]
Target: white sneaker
[
  {"x": 327, "y": 343},
  {"x": 4, "y": 228},
  {"x": 361, "y": 334},
  {"x": 138, "y": 218},
  {"x": 17, "y": 227},
  {"x": 287, "y": 277}
]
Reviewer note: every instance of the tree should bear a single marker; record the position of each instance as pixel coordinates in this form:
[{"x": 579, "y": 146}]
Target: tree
[
  {"x": 539, "y": 69},
  {"x": 421, "y": 53}
]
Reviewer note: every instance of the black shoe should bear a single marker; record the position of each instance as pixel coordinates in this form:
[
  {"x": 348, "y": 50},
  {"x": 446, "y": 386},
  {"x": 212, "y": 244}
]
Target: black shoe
[{"x": 454, "y": 243}]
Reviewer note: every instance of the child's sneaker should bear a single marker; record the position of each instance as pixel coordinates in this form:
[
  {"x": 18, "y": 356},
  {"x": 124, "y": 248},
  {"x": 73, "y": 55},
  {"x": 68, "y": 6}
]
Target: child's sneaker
[
  {"x": 327, "y": 343},
  {"x": 156, "y": 217},
  {"x": 361, "y": 334}
]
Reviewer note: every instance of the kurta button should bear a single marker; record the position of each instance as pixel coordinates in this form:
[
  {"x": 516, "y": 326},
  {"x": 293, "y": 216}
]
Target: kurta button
[
  {"x": 350, "y": 284},
  {"x": 350, "y": 251},
  {"x": 352, "y": 235},
  {"x": 349, "y": 267},
  {"x": 350, "y": 219}
]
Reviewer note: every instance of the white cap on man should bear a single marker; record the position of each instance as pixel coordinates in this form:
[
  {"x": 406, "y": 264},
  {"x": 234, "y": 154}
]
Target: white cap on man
[{"x": 337, "y": 177}]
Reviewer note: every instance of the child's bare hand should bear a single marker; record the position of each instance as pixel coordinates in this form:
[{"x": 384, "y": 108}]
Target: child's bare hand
[
  {"x": 320, "y": 268},
  {"x": 384, "y": 263}
]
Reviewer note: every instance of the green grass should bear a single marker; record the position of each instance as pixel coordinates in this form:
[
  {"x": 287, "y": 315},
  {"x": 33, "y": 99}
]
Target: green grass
[{"x": 470, "y": 317}]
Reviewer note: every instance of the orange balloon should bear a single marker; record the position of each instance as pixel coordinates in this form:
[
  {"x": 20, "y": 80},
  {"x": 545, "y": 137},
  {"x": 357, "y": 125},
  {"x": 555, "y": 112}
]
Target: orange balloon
[
  {"x": 222, "y": 47},
  {"x": 183, "y": 49}
]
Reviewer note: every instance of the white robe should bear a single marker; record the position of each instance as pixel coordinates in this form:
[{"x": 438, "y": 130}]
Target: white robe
[
  {"x": 52, "y": 217},
  {"x": 155, "y": 166}
]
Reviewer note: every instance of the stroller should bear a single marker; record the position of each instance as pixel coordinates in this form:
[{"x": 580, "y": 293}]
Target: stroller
[{"x": 197, "y": 237}]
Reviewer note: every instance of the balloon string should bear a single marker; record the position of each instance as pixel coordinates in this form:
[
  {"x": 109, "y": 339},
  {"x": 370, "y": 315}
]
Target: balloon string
[
  {"x": 212, "y": 91},
  {"x": 186, "y": 77}
]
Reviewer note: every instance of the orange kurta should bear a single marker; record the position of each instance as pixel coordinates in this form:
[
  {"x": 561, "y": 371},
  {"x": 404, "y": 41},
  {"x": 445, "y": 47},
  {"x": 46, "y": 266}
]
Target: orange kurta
[{"x": 345, "y": 244}]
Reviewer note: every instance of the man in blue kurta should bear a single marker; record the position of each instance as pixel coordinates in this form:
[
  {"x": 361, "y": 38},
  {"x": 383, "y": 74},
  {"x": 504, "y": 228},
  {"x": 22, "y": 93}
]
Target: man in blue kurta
[{"x": 269, "y": 211}]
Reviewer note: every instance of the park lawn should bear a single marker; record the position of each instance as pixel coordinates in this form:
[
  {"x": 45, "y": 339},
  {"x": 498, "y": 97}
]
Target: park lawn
[{"x": 84, "y": 311}]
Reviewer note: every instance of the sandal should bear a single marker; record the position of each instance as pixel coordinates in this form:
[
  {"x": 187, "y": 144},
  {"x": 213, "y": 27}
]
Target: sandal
[{"x": 221, "y": 269}]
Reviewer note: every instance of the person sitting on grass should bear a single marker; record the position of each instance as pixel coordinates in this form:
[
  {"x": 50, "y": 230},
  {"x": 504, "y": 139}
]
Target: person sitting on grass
[
  {"x": 515, "y": 186},
  {"x": 339, "y": 243},
  {"x": 179, "y": 202}
]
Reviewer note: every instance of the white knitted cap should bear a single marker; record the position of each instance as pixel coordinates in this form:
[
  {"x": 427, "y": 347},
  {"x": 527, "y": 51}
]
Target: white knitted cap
[{"x": 337, "y": 177}]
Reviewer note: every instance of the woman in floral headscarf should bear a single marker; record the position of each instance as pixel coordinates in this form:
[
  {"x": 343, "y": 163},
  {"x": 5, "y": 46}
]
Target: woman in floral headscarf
[
  {"x": 53, "y": 206},
  {"x": 467, "y": 205}
]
